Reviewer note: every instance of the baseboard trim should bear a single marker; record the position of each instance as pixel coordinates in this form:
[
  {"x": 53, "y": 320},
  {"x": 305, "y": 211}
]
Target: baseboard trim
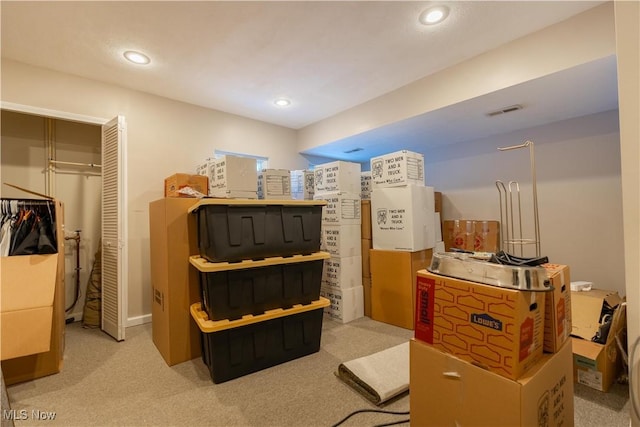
[{"x": 138, "y": 320}]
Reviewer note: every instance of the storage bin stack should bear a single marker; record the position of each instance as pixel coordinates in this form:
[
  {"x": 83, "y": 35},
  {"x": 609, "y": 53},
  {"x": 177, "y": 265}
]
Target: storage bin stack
[
  {"x": 260, "y": 268},
  {"x": 231, "y": 177},
  {"x": 302, "y": 187},
  {"x": 338, "y": 184},
  {"x": 365, "y": 232},
  {"x": 403, "y": 234}
]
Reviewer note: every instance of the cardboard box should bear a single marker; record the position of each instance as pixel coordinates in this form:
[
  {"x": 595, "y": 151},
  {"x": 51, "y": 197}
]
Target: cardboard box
[
  {"x": 338, "y": 176},
  {"x": 341, "y": 208},
  {"x": 437, "y": 199},
  {"x": 366, "y": 260},
  {"x": 274, "y": 184},
  {"x": 28, "y": 288},
  {"x": 596, "y": 365},
  {"x": 302, "y": 185},
  {"x": 472, "y": 235},
  {"x": 447, "y": 391},
  {"x": 393, "y": 285},
  {"x": 366, "y": 290},
  {"x": 341, "y": 240},
  {"x": 365, "y": 216},
  {"x": 178, "y": 181},
  {"x": 23, "y": 330},
  {"x": 174, "y": 283},
  {"x": 233, "y": 177},
  {"x": 557, "y": 311},
  {"x": 403, "y": 218},
  {"x": 365, "y": 185},
  {"x": 486, "y": 236},
  {"x": 346, "y": 304},
  {"x": 459, "y": 234},
  {"x": 437, "y": 225},
  {"x": 342, "y": 273},
  {"x": 397, "y": 169},
  {"x": 496, "y": 328}
]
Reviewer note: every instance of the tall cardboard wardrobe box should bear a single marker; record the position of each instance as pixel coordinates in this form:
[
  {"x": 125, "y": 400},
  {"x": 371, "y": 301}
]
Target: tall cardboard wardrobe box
[
  {"x": 173, "y": 238},
  {"x": 32, "y": 310}
]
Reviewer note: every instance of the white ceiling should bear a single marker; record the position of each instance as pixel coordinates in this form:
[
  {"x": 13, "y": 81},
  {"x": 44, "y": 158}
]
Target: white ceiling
[{"x": 326, "y": 56}]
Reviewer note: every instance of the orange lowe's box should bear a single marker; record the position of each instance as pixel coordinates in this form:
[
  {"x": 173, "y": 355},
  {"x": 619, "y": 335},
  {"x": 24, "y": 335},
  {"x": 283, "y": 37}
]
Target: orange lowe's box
[{"x": 496, "y": 328}]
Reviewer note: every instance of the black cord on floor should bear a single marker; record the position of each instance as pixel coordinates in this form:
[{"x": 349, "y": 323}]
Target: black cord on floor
[
  {"x": 378, "y": 411},
  {"x": 393, "y": 423}
]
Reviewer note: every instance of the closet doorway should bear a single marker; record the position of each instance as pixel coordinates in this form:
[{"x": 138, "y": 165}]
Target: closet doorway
[{"x": 63, "y": 158}]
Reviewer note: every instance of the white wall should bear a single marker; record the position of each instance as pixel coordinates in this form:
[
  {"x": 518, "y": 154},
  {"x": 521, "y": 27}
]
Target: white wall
[
  {"x": 164, "y": 137},
  {"x": 22, "y": 154},
  {"x": 627, "y": 16},
  {"x": 579, "y": 190}
]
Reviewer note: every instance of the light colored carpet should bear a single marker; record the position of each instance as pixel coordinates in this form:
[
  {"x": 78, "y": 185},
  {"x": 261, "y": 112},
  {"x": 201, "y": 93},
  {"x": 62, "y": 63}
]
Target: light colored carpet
[{"x": 129, "y": 384}]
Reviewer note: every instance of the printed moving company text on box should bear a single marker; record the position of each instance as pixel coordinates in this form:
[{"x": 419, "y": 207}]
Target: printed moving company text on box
[
  {"x": 337, "y": 176},
  {"x": 397, "y": 169}
]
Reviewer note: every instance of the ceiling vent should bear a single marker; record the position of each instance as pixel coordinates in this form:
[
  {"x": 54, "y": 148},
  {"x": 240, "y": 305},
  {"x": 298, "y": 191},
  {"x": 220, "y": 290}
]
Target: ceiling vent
[
  {"x": 355, "y": 150},
  {"x": 505, "y": 110}
]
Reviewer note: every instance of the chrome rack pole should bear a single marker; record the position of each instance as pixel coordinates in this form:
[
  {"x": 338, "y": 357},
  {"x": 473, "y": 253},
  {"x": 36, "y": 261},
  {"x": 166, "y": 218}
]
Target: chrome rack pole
[
  {"x": 504, "y": 219},
  {"x": 535, "y": 189}
]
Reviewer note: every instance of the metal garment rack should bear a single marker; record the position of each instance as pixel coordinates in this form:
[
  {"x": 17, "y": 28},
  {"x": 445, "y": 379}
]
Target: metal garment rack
[{"x": 512, "y": 236}]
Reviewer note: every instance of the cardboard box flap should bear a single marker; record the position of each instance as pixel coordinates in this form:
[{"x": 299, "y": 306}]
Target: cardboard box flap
[
  {"x": 587, "y": 349},
  {"x": 35, "y": 193},
  {"x": 586, "y": 308},
  {"x": 27, "y": 281},
  {"x": 618, "y": 322}
]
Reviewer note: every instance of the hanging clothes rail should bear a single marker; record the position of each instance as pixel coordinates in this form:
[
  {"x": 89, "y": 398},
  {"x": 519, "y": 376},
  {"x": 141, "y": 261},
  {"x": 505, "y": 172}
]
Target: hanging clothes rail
[{"x": 59, "y": 162}]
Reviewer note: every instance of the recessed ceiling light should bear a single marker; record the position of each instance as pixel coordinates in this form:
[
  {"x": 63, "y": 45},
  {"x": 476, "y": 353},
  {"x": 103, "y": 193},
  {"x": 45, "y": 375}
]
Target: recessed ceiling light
[
  {"x": 282, "y": 102},
  {"x": 433, "y": 15},
  {"x": 137, "y": 57}
]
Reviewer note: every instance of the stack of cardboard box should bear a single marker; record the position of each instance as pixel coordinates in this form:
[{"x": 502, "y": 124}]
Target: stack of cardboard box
[
  {"x": 338, "y": 183},
  {"x": 403, "y": 234},
  {"x": 488, "y": 355},
  {"x": 366, "y": 233}
]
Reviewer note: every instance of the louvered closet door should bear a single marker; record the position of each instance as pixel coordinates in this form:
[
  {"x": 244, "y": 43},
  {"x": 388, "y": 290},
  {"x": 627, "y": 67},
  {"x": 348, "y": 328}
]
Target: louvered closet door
[{"x": 114, "y": 228}]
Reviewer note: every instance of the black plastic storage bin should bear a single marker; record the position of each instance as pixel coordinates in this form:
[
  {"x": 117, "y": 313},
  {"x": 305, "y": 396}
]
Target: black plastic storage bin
[
  {"x": 232, "y": 349},
  {"x": 232, "y": 290},
  {"x": 233, "y": 230}
]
